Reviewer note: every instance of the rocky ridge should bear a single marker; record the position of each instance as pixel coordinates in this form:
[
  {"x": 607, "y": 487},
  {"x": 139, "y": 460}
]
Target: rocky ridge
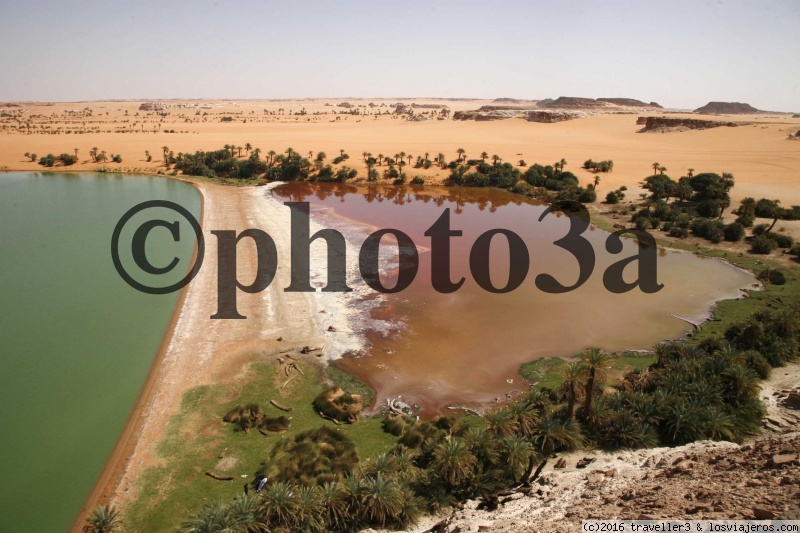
[{"x": 671, "y": 124}]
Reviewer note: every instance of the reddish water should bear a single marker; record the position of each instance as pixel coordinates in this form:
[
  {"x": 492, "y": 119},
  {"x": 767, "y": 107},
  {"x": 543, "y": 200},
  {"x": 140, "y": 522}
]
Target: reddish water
[{"x": 466, "y": 347}]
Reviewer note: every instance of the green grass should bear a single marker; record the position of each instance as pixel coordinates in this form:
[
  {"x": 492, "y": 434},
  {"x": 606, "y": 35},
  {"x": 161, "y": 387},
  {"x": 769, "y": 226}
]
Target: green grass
[
  {"x": 544, "y": 372},
  {"x": 773, "y": 296},
  {"x": 197, "y": 437},
  {"x": 547, "y": 372}
]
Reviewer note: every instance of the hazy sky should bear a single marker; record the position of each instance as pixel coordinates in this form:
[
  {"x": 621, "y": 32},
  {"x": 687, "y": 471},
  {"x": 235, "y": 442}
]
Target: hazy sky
[{"x": 680, "y": 54}]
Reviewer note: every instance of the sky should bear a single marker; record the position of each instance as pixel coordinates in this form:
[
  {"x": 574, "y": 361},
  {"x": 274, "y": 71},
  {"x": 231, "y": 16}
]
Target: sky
[{"x": 681, "y": 54}]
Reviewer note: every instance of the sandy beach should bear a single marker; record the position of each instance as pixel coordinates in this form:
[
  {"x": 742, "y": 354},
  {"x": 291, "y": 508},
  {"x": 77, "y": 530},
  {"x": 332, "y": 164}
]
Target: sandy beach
[{"x": 198, "y": 351}]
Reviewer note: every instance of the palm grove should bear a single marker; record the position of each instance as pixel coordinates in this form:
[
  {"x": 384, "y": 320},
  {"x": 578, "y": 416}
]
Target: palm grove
[{"x": 704, "y": 389}]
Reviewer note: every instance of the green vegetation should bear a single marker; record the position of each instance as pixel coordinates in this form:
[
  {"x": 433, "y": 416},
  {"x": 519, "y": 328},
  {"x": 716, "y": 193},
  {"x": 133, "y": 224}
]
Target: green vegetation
[
  {"x": 598, "y": 166},
  {"x": 685, "y": 391},
  {"x": 103, "y": 519},
  {"x": 198, "y": 440},
  {"x": 616, "y": 196},
  {"x": 50, "y": 160},
  {"x": 546, "y": 183},
  {"x": 338, "y": 405}
]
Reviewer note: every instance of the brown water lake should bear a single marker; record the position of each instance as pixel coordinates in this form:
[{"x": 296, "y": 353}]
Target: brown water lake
[{"x": 466, "y": 347}]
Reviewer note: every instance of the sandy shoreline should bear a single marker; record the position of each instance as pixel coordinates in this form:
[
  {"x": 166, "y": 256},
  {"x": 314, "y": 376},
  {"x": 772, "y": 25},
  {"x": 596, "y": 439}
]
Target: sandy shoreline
[{"x": 196, "y": 350}]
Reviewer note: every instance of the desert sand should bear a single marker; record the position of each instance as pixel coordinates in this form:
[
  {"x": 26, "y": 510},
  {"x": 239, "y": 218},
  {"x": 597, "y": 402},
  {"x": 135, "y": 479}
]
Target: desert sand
[{"x": 763, "y": 161}]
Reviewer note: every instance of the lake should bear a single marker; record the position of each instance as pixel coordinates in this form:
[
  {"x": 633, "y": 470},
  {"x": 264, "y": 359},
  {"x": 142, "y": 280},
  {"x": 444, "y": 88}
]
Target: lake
[
  {"x": 76, "y": 342},
  {"x": 466, "y": 347}
]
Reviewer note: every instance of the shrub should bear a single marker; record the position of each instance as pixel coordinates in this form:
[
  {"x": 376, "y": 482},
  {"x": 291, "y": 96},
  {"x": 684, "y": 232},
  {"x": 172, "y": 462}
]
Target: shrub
[
  {"x": 781, "y": 239},
  {"x": 311, "y": 457},
  {"x": 770, "y": 275},
  {"x": 417, "y": 180},
  {"x": 48, "y": 160},
  {"x": 760, "y": 229},
  {"x": 708, "y": 229},
  {"x": 587, "y": 196},
  {"x": 612, "y": 198},
  {"x": 679, "y": 231},
  {"x": 763, "y": 245},
  {"x": 734, "y": 232},
  {"x": 339, "y": 405}
]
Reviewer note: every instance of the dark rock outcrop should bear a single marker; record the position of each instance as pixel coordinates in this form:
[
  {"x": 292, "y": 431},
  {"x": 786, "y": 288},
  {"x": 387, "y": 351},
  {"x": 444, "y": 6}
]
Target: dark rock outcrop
[
  {"x": 726, "y": 108},
  {"x": 531, "y": 115},
  {"x": 630, "y": 102},
  {"x": 485, "y": 115},
  {"x": 571, "y": 102},
  {"x": 666, "y": 124},
  {"x": 553, "y": 116}
]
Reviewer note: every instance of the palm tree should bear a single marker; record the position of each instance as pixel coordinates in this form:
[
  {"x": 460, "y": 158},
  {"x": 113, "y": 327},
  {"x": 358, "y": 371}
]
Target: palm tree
[
  {"x": 595, "y": 364},
  {"x": 461, "y": 154},
  {"x": 426, "y": 156},
  {"x": 76, "y": 153},
  {"x": 93, "y": 153},
  {"x": 332, "y": 500},
  {"x": 484, "y": 155},
  {"x": 382, "y": 500},
  {"x": 380, "y": 159},
  {"x": 247, "y": 148},
  {"x": 690, "y": 173},
  {"x": 364, "y": 154},
  {"x": 341, "y": 152},
  {"x": 495, "y": 159},
  {"x": 280, "y": 505},
  {"x": 243, "y": 515},
  {"x": 741, "y": 383},
  {"x": 309, "y": 509},
  {"x": 441, "y": 159},
  {"x": 409, "y": 156},
  {"x": 501, "y": 422},
  {"x": 453, "y": 462},
  {"x": 271, "y": 155},
  {"x": 562, "y": 164},
  {"x": 656, "y": 166},
  {"x": 103, "y": 519},
  {"x": 661, "y": 170},
  {"x": 596, "y": 181},
  {"x": 516, "y": 453},
  {"x": 165, "y": 149},
  {"x": 553, "y": 434},
  {"x": 777, "y": 214},
  {"x": 257, "y": 152},
  {"x": 213, "y": 517},
  {"x": 573, "y": 375}
]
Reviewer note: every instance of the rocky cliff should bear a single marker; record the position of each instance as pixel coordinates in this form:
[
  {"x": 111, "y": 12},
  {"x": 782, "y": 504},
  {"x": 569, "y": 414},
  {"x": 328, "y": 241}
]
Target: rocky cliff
[
  {"x": 668, "y": 124},
  {"x": 726, "y": 108}
]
